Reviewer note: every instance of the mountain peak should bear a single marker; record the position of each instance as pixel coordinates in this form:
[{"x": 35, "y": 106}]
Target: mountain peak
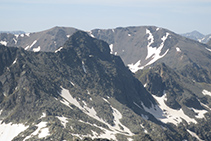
[
  {"x": 195, "y": 35},
  {"x": 86, "y": 46}
]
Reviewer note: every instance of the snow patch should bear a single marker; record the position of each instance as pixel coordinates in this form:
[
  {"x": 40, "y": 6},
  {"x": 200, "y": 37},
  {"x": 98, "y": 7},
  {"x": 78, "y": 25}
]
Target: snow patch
[
  {"x": 200, "y": 113},
  {"x": 167, "y": 114},
  {"x": 22, "y": 35},
  {"x": 116, "y": 129},
  {"x": 145, "y": 85},
  {"x": 42, "y": 131},
  {"x": 43, "y": 115},
  {"x": 112, "y": 131},
  {"x": 111, "y": 46},
  {"x": 129, "y": 35},
  {"x": 145, "y": 131},
  {"x": 157, "y": 29},
  {"x": 65, "y": 102},
  {"x": 206, "y": 92},
  {"x": 68, "y": 36},
  {"x": 72, "y": 83},
  {"x": 59, "y": 49},
  {"x": 90, "y": 33},
  {"x": 16, "y": 35},
  {"x": 154, "y": 52},
  {"x": 208, "y": 49},
  {"x": 63, "y": 120},
  {"x": 27, "y": 34},
  {"x": 68, "y": 97},
  {"x": 15, "y": 40},
  {"x": 36, "y": 49},
  {"x": 15, "y": 61},
  {"x": 9, "y": 131},
  {"x": 194, "y": 135},
  {"x": 135, "y": 67},
  {"x": 105, "y": 100},
  {"x": 3, "y": 43},
  {"x": 83, "y": 66},
  {"x": 178, "y": 49},
  {"x": 28, "y": 47},
  {"x": 150, "y": 50}
]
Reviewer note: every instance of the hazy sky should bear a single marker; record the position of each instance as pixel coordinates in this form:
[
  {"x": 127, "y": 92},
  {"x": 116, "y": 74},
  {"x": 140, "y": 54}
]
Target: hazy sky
[{"x": 179, "y": 16}]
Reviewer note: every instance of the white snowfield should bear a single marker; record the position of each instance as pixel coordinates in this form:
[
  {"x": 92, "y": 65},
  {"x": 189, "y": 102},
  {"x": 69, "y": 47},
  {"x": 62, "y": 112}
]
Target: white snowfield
[
  {"x": 111, "y": 46},
  {"x": 206, "y": 92},
  {"x": 15, "y": 40},
  {"x": 36, "y": 49},
  {"x": 135, "y": 67},
  {"x": 59, "y": 49},
  {"x": 9, "y": 131},
  {"x": 168, "y": 115},
  {"x": 83, "y": 66},
  {"x": 194, "y": 135},
  {"x": 27, "y": 34},
  {"x": 15, "y": 61},
  {"x": 3, "y": 43},
  {"x": 90, "y": 34},
  {"x": 107, "y": 133},
  {"x": 42, "y": 131},
  {"x": 28, "y": 47},
  {"x": 63, "y": 120},
  {"x": 208, "y": 49},
  {"x": 153, "y": 53},
  {"x": 178, "y": 49}
]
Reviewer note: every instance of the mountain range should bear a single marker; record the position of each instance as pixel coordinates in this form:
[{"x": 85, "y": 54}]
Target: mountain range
[
  {"x": 13, "y": 32},
  {"x": 195, "y": 35},
  {"x": 132, "y": 83}
]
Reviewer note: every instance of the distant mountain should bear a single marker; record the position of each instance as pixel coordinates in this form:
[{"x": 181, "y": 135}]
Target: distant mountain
[
  {"x": 13, "y": 32},
  {"x": 195, "y": 35},
  {"x": 48, "y": 40}
]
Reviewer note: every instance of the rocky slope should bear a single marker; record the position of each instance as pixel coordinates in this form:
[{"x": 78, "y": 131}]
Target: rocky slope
[
  {"x": 143, "y": 47},
  {"x": 176, "y": 93},
  {"x": 81, "y": 92},
  {"x": 48, "y": 40},
  {"x": 81, "y": 89},
  {"x": 139, "y": 47}
]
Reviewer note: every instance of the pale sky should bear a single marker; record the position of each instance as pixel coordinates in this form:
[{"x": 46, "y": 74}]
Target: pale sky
[{"x": 179, "y": 16}]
